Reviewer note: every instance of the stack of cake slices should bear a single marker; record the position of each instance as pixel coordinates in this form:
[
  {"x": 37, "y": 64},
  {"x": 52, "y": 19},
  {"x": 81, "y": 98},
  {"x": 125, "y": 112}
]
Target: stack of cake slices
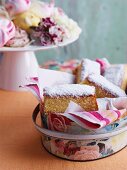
[{"x": 89, "y": 85}]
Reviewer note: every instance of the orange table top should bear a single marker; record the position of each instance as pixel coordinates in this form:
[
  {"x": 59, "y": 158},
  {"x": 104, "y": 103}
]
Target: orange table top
[{"x": 20, "y": 143}]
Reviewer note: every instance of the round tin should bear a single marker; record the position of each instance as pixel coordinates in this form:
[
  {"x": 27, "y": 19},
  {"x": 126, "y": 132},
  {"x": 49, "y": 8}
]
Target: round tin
[{"x": 82, "y": 147}]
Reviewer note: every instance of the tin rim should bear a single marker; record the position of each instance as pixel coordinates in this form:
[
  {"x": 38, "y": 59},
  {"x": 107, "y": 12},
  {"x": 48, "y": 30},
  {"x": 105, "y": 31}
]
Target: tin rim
[{"x": 68, "y": 136}]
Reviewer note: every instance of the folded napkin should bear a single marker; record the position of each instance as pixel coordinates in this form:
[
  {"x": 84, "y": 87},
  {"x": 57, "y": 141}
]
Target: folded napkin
[
  {"x": 51, "y": 77},
  {"x": 110, "y": 110},
  {"x": 93, "y": 119},
  {"x": 47, "y": 78}
]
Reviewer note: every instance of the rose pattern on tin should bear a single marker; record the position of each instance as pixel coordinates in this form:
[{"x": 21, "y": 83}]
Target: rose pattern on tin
[
  {"x": 58, "y": 122},
  {"x": 84, "y": 150},
  {"x": 87, "y": 153}
]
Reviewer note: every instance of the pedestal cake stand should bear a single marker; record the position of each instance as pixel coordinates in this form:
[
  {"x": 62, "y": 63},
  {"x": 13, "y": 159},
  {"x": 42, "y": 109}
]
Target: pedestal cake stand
[{"x": 18, "y": 64}]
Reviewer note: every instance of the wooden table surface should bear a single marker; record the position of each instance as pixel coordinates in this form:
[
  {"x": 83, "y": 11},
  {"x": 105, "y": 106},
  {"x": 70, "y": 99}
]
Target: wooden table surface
[{"x": 20, "y": 143}]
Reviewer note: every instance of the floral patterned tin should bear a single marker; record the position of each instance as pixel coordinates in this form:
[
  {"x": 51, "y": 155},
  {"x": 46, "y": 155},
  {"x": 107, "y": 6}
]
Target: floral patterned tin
[{"x": 82, "y": 146}]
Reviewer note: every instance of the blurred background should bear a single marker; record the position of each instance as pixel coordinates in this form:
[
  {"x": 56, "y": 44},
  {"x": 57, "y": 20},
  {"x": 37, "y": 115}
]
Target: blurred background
[{"x": 104, "y": 31}]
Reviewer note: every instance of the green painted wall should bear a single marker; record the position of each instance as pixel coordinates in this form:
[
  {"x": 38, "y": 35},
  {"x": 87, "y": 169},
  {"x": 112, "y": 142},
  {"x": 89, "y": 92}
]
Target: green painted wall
[{"x": 104, "y": 25}]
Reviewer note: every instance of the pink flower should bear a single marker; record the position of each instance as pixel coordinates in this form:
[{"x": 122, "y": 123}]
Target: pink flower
[
  {"x": 57, "y": 122},
  {"x": 87, "y": 153},
  {"x": 57, "y": 146},
  {"x": 60, "y": 145},
  {"x": 71, "y": 148}
]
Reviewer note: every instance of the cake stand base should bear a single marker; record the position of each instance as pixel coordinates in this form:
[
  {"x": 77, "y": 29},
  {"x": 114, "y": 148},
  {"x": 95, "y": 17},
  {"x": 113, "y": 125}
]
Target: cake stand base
[{"x": 15, "y": 68}]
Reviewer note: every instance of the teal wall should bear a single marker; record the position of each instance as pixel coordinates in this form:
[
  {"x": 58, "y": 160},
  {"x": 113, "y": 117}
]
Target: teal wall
[{"x": 104, "y": 25}]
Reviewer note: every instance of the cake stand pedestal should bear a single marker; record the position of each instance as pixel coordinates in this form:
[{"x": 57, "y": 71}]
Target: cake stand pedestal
[
  {"x": 15, "y": 68},
  {"x": 19, "y": 64}
]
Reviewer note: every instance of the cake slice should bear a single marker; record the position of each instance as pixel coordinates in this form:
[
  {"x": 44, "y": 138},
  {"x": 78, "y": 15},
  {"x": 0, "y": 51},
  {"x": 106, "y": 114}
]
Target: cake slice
[
  {"x": 117, "y": 74},
  {"x": 104, "y": 88},
  {"x": 57, "y": 98},
  {"x": 85, "y": 68}
]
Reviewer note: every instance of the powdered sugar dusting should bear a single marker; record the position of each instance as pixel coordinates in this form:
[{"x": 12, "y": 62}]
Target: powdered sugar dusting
[
  {"x": 107, "y": 85},
  {"x": 89, "y": 67},
  {"x": 75, "y": 90},
  {"x": 115, "y": 74}
]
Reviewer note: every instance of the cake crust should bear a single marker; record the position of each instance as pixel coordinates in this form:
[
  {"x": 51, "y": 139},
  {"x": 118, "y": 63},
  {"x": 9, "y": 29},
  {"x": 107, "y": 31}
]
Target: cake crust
[
  {"x": 60, "y": 104},
  {"x": 57, "y": 98},
  {"x": 104, "y": 88},
  {"x": 85, "y": 68}
]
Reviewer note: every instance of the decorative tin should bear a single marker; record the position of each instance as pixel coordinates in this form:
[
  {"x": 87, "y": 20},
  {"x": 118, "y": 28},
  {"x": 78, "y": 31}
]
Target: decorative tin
[{"x": 82, "y": 147}]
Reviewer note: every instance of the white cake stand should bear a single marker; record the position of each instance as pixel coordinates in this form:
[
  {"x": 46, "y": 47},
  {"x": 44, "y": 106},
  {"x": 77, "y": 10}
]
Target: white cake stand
[{"x": 18, "y": 64}]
